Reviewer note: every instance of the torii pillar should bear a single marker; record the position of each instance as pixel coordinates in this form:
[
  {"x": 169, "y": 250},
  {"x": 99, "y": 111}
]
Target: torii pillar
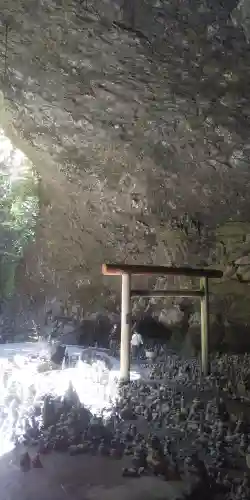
[
  {"x": 126, "y": 271},
  {"x": 125, "y": 328}
]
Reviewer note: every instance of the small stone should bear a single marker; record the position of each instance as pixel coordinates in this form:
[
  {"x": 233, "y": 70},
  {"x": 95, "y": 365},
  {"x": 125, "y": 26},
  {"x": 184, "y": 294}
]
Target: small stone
[
  {"x": 130, "y": 472},
  {"x": 25, "y": 462},
  {"x": 141, "y": 471},
  {"x": 36, "y": 462}
]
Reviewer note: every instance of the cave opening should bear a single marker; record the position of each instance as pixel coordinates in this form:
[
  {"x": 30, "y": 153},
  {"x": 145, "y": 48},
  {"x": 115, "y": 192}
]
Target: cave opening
[{"x": 19, "y": 209}]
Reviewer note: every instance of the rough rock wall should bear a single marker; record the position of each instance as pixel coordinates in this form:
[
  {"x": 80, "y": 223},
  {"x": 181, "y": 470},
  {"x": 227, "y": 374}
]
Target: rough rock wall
[{"x": 136, "y": 116}]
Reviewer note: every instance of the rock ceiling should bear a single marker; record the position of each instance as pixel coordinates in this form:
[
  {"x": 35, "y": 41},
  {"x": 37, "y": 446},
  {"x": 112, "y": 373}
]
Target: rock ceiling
[{"x": 136, "y": 116}]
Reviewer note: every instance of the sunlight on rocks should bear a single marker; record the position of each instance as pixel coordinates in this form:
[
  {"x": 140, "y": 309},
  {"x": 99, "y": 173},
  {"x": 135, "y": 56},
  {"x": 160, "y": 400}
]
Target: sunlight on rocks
[{"x": 23, "y": 390}]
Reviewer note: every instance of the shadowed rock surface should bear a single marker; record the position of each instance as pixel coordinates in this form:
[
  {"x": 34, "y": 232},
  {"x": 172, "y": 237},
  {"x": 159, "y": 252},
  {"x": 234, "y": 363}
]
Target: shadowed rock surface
[{"x": 136, "y": 117}]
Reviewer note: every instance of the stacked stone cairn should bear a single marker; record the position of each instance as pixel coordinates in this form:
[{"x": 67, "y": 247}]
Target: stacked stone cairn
[{"x": 175, "y": 425}]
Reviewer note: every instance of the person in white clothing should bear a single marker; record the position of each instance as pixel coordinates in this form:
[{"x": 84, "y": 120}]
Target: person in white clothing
[{"x": 136, "y": 345}]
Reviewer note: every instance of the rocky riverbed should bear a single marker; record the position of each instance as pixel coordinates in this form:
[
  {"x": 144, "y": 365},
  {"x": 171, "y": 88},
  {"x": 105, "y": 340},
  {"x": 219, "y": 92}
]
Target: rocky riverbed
[{"x": 176, "y": 426}]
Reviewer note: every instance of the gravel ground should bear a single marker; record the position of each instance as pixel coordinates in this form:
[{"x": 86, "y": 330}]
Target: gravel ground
[{"x": 80, "y": 478}]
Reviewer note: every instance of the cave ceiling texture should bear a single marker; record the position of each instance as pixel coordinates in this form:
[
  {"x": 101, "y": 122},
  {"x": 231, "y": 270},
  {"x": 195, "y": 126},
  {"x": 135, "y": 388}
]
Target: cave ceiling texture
[{"x": 136, "y": 116}]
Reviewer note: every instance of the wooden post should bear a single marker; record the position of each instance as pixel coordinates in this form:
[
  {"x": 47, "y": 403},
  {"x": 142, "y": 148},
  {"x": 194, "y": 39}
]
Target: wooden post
[
  {"x": 125, "y": 328},
  {"x": 126, "y": 270},
  {"x": 204, "y": 326}
]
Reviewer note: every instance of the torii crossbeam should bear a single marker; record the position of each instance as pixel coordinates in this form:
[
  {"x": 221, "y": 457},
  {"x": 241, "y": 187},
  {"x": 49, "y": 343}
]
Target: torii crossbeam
[{"x": 127, "y": 270}]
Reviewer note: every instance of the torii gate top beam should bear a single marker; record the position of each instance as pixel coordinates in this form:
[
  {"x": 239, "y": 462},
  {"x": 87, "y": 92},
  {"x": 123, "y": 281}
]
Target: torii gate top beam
[
  {"x": 128, "y": 270},
  {"x": 118, "y": 269}
]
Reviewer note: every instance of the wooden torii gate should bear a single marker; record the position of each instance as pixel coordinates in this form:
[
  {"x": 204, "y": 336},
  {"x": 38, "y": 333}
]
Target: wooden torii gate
[{"x": 127, "y": 270}]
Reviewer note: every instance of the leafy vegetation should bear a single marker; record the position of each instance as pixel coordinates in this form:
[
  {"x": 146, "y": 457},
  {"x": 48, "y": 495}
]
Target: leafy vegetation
[{"x": 18, "y": 211}]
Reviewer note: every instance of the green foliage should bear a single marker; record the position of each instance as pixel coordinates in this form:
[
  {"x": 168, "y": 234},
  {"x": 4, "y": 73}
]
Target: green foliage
[
  {"x": 7, "y": 278},
  {"x": 18, "y": 213}
]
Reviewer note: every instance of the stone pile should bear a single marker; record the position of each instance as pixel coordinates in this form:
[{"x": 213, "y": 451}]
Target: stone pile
[
  {"x": 56, "y": 423},
  {"x": 176, "y": 424}
]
